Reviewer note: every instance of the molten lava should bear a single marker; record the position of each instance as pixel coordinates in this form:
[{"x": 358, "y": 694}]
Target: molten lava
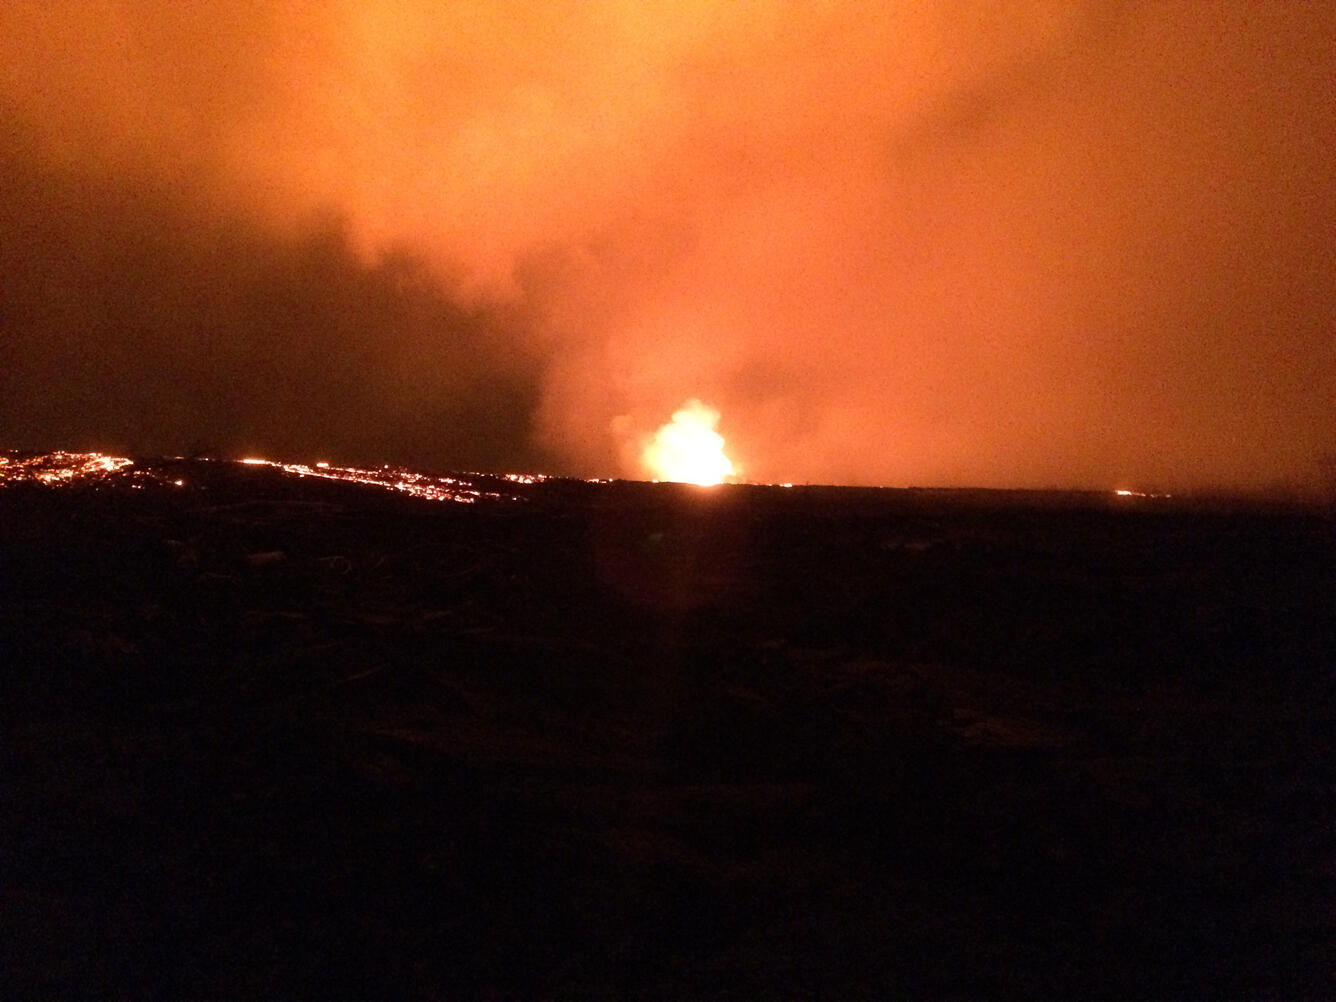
[
  {"x": 58, "y": 469},
  {"x": 687, "y": 449}
]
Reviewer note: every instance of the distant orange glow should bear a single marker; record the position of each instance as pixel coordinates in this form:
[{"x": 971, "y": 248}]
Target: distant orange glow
[{"x": 687, "y": 449}]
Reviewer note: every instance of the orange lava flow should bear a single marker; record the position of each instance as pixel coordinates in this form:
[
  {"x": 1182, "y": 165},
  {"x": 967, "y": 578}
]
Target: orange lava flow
[{"x": 57, "y": 469}]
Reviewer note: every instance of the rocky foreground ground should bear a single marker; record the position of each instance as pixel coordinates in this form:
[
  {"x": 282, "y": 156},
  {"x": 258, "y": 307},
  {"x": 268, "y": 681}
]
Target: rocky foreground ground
[{"x": 267, "y": 736}]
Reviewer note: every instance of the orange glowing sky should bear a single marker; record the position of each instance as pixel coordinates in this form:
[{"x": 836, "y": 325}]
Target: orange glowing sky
[{"x": 997, "y": 243}]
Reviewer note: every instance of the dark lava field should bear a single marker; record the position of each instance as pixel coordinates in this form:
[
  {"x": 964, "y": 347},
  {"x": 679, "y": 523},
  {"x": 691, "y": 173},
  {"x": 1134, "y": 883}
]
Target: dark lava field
[{"x": 269, "y": 736}]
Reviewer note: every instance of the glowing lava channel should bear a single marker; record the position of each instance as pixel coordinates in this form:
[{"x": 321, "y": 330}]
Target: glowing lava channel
[
  {"x": 687, "y": 449},
  {"x": 432, "y": 488}
]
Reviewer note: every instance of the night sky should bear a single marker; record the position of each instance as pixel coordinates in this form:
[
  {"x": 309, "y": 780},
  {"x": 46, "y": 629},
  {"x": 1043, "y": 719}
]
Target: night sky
[{"x": 1069, "y": 244}]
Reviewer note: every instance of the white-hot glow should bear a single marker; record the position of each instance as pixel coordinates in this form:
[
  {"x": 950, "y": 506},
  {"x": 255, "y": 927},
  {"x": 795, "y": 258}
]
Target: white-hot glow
[{"x": 687, "y": 449}]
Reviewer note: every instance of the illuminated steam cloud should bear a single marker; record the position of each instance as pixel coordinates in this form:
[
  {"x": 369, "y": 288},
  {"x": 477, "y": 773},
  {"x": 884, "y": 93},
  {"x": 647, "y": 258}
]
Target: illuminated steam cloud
[{"x": 996, "y": 243}]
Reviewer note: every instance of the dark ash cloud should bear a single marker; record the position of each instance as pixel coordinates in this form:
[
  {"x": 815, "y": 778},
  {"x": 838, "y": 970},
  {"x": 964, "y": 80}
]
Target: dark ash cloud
[{"x": 134, "y": 322}]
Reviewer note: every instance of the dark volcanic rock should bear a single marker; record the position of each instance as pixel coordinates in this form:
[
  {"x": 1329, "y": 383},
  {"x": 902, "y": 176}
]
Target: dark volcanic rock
[{"x": 277, "y": 737}]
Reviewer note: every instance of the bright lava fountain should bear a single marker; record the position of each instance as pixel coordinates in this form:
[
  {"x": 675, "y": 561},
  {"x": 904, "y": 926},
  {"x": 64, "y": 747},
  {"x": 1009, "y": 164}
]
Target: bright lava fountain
[{"x": 687, "y": 449}]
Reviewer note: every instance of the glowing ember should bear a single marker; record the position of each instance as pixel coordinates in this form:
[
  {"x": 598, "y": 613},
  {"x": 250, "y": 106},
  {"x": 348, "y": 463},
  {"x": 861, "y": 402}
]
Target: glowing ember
[{"x": 687, "y": 449}]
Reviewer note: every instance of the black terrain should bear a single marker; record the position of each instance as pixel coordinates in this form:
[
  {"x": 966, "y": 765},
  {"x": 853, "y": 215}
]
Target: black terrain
[{"x": 271, "y": 736}]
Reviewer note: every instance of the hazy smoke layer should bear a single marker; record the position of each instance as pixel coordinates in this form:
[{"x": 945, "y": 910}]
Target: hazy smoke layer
[{"x": 975, "y": 243}]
